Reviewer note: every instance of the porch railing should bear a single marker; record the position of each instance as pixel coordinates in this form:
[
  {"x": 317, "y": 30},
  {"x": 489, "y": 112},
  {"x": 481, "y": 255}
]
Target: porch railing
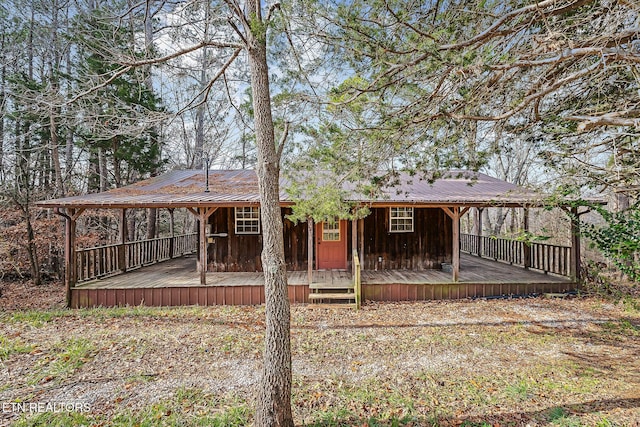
[
  {"x": 538, "y": 256},
  {"x": 357, "y": 279},
  {"x": 100, "y": 261}
]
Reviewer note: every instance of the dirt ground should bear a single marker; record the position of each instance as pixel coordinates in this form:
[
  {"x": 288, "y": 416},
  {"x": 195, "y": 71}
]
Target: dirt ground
[{"x": 518, "y": 362}]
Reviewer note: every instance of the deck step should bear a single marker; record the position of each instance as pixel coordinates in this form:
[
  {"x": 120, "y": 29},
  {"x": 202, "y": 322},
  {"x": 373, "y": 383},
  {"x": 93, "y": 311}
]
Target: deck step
[
  {"x": 334, "y": 305},
  {"x": 333, "y": 295},
  {"x": 330, "y": 286}
]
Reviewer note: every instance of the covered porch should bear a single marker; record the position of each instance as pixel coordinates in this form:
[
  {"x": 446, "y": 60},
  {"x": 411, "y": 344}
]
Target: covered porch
[
  {"x": 177, "y": 282},
  {"x": 409, "y": 246}
]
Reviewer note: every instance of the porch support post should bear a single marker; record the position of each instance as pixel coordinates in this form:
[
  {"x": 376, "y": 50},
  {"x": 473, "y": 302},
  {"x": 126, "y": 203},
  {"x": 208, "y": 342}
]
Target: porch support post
[
  {"x": 526, "y": 248},
  {"x": 172, "y": 232},
  {"x": 203, "y": 217},
  {"x": 478, "y": 230},
  {"x": 70, "y": 254},
  {"x": 203, "y": 246},
  {"x": 361, "y": 240},
  {"x": 454, "y": 213},
  {"x": 122, "y": 240},
  {"x": 354, "y": 237},
  {"x": 575, "y": 244},
  {"x": 70, "y": 216},
  {"x": 456, "y": 243},
  {"x": 310, "y": 246}
]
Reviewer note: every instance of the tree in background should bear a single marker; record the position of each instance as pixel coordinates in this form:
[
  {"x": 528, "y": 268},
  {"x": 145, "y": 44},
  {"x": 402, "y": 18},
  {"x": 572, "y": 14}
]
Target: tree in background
[
  {"x": 562, "y": 75},
  {"x": 121, "y": 117},
  {"x": 244, "y": 30},
  {"x": 416, "y": 85},
  {"x": 514, "y": 65}
]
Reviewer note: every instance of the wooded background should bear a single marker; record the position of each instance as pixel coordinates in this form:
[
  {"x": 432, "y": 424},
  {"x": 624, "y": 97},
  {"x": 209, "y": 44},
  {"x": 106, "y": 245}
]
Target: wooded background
[{"x": 99, "y": 94}]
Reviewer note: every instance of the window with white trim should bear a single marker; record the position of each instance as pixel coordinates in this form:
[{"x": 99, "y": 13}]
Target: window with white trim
[
  {"x": 248, "y": 220},
  {"x": 331, "y": 231},
  {"x": 400, "y": 220}
]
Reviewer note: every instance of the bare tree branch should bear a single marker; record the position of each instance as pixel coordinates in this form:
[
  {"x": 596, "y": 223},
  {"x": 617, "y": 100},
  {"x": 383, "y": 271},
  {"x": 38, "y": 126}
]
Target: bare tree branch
[
  {"x": 491, "y": 30},
  {"x": 99, "y": 86},
  {"x": 614, "y": 54},
  {"x": 181, "y": 52},
  {"x": 611, "y": 119},
  {"x": 207, "y": 89},
  {"x": 272, "y": 9},
  {"x": 283, "y": 139},
  {"x": 527, "y": 100}
]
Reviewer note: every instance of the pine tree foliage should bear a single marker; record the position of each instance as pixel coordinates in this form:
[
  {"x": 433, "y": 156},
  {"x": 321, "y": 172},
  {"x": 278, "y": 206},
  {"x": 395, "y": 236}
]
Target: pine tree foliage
[{"x": 618, "y": 239}]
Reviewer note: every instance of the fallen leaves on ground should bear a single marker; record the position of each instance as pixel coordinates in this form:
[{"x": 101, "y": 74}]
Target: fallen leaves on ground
[{"x": 501, "y": 362}]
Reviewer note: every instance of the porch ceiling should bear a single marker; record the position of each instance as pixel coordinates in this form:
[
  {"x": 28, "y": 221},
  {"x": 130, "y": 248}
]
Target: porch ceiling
[{"x": 186, "y": 188}]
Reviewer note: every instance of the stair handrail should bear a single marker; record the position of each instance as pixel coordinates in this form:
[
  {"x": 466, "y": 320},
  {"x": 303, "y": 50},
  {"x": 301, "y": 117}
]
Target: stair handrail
[{"x": 357, "y": 279}]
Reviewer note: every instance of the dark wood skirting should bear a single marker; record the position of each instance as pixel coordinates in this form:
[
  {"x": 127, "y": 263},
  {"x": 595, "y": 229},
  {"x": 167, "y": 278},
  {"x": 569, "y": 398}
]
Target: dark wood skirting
[
  {"x": 192, "y": 295},
  {"x": 254, "y": 295},
  {"x": 426, "y": 292}
]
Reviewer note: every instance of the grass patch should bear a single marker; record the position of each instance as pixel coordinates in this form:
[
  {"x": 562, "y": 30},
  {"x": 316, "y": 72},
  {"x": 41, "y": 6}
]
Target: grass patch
[
  {"x": 474, "y": 424},
  {"x": 188, "y": 407},
  {"x": 519, "y": 391},
  {"x": 139, "y": 379},
  {"x": 40, "y": 318},
  {"x": 36, "y": 318},
  {"x": 386, "y": 365},
  {"x": 621, "y": 327},
  {"x": 64, "y": 359},
  {"x": 9, "y": 346},
  {"x": 559, "y": 417},
  {"x": 56, "y": 419}
]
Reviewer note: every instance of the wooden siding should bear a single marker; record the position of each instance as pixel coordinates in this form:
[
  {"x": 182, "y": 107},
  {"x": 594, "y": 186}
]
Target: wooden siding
[
  {"x": 241, "y": 252},
  {"x": 427, "y": 247}
]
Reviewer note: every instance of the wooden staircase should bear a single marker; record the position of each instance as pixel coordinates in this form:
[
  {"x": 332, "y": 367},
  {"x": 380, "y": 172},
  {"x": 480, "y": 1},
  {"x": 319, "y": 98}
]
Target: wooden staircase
[
  {"x": 338, "y": 293},
  {"x": 332, "y": 295}
]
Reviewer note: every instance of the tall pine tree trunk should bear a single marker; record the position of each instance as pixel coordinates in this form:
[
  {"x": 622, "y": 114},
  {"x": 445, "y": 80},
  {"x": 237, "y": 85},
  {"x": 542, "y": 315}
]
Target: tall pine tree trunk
[
  {"x": 152, "y": 213},
  {"x": 274, "y": 400}
]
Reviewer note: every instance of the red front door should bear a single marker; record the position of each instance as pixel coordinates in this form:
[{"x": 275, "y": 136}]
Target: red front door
[{"x": 331, "y": 245}]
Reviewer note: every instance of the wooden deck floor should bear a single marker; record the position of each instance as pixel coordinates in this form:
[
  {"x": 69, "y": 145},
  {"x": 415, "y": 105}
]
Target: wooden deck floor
[{"x": 182, "y": 272}]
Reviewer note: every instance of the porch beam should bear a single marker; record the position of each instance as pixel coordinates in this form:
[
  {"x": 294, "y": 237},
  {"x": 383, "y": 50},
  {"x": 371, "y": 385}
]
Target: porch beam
[{"x": 449, "y": 211}]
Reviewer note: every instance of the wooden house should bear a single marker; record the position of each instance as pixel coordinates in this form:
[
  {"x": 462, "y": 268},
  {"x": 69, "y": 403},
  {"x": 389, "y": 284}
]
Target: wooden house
[{"x": 412, "y": 228}]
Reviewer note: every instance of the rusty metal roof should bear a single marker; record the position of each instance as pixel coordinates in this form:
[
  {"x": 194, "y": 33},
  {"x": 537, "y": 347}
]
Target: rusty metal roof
[{"x": 186, "y": 188}]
